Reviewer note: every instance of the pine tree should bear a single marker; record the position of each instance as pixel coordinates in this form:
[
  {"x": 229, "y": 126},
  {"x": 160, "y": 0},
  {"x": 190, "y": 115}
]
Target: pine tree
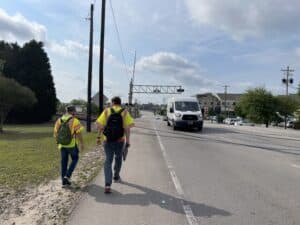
[{"x": 30, "y": 67}]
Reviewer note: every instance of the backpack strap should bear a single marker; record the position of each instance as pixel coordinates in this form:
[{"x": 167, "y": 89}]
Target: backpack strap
[
  {"x": 61, "y": 120},
  {"x": 112, "y": 110}
]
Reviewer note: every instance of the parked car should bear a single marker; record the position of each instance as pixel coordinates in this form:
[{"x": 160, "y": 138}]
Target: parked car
[
  {"x": 289, "y": 124},
  {"x": 242, "y": 122},
  {"x": 230, "y": 121},
  {"x": 213, "y": 118}
]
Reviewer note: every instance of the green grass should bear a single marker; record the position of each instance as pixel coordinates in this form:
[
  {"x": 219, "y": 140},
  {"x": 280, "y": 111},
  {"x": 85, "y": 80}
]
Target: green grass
[{"x": 29, "y": 155}]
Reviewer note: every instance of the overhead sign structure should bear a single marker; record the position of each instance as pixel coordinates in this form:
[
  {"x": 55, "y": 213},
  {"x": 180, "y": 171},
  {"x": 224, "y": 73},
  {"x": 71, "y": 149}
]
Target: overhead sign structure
[{"x": 157, "y": 89}]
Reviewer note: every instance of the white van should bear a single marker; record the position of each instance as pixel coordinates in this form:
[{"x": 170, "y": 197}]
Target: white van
[{"x": 184, "y": 112}]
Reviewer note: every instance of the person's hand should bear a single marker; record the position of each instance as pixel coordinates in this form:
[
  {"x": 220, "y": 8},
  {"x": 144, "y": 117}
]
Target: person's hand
[
  {"x": 127, "y": 145},
  {"x": 99, "y": 142}
]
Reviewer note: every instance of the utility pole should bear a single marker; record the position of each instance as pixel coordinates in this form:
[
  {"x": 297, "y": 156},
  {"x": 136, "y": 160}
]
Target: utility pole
[
  {"x": 90, "y": 70},
  {"x": 131, "y": 82},
  {"x": 225, "y": 98},
  {"x": 287, "y": 80},
  {"x": 101, "y": 98}
]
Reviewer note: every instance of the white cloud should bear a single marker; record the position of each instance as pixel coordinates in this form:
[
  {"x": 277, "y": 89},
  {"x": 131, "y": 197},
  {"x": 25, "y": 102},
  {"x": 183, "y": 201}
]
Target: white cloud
[
  {"x": 74, "y": 49},
  {"x": 242, "y": 19},
  {"x": 297, "y": 51},
  {"x": 266, "y": 57},
  {"x": 68, "y": 48},
  {"x": 17, "y": 28},
  {"x": 174, "y": 67}
]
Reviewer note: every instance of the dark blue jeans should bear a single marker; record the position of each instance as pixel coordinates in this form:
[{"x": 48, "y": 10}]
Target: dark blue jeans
[
  {"x": 65, "y": 152},
  {"x": 112, "y": 149}
]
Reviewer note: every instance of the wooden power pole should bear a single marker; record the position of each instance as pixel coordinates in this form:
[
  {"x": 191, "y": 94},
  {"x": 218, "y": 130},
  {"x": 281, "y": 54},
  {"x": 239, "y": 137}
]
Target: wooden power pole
[
  {"x": 101, "y": 64},
  {"x": 90, "y": 71}
]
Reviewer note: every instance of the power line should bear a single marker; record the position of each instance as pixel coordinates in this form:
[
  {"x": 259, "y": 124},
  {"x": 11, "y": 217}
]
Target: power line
[{"x": 118, "y": 35}]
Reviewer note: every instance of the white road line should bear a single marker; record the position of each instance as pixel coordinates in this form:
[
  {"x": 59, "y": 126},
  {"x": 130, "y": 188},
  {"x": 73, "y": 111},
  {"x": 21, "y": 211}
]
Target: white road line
[
  {"x": 186, "y": 208},
  {"x": 295, "y": 165}
]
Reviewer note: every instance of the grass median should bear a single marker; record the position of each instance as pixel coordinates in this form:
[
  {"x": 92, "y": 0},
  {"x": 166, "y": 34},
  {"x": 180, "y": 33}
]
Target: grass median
[{"x": 29, "y": 155}]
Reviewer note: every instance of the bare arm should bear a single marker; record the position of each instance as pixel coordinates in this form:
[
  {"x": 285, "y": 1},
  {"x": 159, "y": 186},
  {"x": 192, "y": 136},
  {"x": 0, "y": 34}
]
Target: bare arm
[
  {"x": 79, "y": 136},
  {"x": 100, "y": 133},
  {"x": 127, "y": 135}
]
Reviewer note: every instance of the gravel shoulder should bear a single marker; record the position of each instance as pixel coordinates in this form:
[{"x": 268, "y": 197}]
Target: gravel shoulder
[{"x": 49, "y": 203}]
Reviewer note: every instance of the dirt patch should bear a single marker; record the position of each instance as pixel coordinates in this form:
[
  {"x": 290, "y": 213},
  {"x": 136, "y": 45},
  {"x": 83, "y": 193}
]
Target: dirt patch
[{"x": 49, "y": 203}]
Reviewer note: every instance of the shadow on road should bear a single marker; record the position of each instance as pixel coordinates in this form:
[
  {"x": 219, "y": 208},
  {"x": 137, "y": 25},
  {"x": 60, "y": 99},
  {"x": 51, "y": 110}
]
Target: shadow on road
[{"x": 150, "y": 196}]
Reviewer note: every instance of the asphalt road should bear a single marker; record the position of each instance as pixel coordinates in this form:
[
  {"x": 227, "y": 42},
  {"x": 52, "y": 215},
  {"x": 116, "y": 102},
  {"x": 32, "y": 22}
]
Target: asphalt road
[{"x": 225, "y": 176}]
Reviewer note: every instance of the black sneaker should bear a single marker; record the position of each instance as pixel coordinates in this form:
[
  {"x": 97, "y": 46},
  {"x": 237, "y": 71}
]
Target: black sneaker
[
  {"x": 117, "y": 179},
  {"x": 66, "y": 182}
]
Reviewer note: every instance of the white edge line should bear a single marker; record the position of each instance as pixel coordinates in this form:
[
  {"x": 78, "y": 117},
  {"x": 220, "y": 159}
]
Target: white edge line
[
  {"x": 186, "y": 208},
  {"x": 295, "y": 165}
]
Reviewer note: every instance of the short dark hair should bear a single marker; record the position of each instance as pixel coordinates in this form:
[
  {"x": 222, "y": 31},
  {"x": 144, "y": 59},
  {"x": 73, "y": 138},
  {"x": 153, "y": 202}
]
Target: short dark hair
[
  {"x": 70, "y": 108},
  {"x": 116, "y": 100}
]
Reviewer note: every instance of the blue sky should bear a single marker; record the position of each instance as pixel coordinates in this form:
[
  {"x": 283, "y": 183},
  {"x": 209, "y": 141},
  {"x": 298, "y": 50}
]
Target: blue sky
[{"x": 199, "y": 44}]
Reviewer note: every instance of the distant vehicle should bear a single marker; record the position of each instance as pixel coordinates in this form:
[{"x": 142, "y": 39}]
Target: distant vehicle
[
  {"x": 213, "y": 118},
  {"x": 229, "y": 121},
  {"x": 184, "y": 113},
  {"x": 242, "y": 122},
  {"x": 289, "y": 124}
]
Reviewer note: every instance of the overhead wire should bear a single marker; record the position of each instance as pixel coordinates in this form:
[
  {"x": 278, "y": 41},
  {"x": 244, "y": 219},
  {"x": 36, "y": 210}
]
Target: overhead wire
[{"x": 118, "y": 37}]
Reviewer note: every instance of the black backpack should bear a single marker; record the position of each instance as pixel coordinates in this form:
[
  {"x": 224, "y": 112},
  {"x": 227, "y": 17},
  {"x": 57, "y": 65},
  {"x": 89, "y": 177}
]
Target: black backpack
[{"x": 114, "y": 127}]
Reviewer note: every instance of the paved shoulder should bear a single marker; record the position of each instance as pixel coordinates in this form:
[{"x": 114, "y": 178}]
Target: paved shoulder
[{"x": 146, "y": 195}]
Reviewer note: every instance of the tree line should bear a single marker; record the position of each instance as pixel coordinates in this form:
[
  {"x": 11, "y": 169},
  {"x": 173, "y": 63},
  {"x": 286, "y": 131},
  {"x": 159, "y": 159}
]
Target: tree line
[
  {"x": 27, "y": 90},
  {"x": 260, "y": 106}
]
